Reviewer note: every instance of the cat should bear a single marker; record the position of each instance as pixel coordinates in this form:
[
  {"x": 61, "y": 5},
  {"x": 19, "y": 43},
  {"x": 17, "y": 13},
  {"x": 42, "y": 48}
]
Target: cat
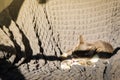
[
  {"x": 87, "y": 54},
  {"x": 98, "y": 46}
]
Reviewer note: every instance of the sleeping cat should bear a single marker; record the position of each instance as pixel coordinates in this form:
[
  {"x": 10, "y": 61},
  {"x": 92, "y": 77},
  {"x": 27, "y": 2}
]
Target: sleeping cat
[
  {"x": 87, "y": 54},
  {"x": 98, "y": 46}
]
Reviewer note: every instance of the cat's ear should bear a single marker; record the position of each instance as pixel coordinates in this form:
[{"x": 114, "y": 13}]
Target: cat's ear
[{"x": 81, "y": 39}]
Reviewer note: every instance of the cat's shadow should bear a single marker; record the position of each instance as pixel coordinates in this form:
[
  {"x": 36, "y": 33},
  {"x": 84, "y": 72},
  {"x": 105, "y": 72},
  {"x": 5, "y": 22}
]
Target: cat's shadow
[{"x": 91, "y": 53}]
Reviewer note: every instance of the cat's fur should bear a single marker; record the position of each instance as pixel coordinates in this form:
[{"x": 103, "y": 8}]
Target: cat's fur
[
  {"x": 98, "y": 46},
  {"x": 86, "y": 54}
]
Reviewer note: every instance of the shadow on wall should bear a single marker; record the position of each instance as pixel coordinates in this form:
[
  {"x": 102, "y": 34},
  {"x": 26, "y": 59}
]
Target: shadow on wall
[
  {"x": 6, "y": 16},
  {"x": 4, "y": 4},
  {"x": 10, "y": 13},
  {"x": 48, "y": 58},
  {"x": 14, "y": 8},
  {"x": 42, "y": 1},
  {"x": 7, "y": 70},
  {"x": 7, "y": 73}
]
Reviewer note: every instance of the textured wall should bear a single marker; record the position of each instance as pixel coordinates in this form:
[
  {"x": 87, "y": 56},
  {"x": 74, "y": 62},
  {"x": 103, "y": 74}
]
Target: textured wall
[
  {"x": 43, "y": 30},
  {"x": 96, "y": 19}
]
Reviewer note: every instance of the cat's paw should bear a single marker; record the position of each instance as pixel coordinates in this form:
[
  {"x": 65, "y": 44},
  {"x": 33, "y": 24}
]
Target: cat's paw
[
  {"x": 66, "y": 54},
  {"x": 66, "y": 64},
  {"x": 65, "y": 67}
]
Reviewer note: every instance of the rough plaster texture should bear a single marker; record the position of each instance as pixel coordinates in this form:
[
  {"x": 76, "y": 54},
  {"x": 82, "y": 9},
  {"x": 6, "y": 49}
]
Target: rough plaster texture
[{"x": 41, "y": 31}]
